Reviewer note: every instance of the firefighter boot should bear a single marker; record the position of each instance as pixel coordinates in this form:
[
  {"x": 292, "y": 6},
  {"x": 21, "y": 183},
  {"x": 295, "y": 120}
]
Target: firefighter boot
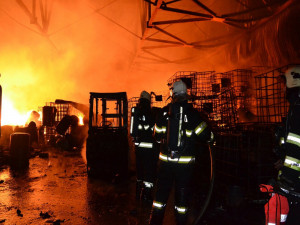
[
  {"x": 147, "y": 195},
  {"x": 181, "y": 206},
  {"x": 138, "y": 189},
  {"x": 181, "y": 218},
  {"x": 156, "y": 216}
]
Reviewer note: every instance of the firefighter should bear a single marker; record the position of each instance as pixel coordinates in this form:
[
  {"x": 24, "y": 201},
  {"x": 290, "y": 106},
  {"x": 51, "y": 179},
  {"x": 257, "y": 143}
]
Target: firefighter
[
  {"x": 177, "y": 129},
  {"x": 289, "y": 175},
  {"x": 141, "y": 130}
]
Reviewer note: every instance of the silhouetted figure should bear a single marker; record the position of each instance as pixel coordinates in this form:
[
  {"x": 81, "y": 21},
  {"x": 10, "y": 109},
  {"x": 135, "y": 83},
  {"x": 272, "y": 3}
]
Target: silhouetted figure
[
  {"x": 141, "y": 130},
  {"x": 177, "y": 129},
  {"x": 289, "y": 176}
]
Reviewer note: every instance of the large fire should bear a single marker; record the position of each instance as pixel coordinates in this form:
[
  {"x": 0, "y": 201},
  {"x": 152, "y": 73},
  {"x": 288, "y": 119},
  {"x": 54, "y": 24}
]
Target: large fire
[
  {"x": 11, "y": 116},
  {"x": 14, "y": 117},
  {"x": 80, "y": 116}
]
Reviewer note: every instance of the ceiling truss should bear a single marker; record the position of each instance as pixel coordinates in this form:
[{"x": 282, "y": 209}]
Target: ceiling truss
[{"x": 243, "y": 20}]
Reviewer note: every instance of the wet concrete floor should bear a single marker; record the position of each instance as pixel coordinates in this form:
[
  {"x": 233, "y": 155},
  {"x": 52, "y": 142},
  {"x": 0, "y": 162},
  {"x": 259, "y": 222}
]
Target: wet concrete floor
[{"x": 55, "y": 189}]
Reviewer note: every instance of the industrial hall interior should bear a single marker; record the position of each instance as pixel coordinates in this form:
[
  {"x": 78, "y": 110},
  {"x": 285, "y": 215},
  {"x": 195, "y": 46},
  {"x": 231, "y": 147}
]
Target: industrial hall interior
[{"x": 150, "y": 112}]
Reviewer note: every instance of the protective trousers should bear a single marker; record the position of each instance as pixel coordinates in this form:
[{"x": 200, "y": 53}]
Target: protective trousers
[
  {"x": 146, "y": 161},
  {"x": 170, "y": 174}
]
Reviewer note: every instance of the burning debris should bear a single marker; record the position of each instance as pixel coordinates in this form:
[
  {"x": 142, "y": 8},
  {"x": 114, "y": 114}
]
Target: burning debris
[
  {"x": 59, "y": 124},
  {"x": 63, "y": 124}
]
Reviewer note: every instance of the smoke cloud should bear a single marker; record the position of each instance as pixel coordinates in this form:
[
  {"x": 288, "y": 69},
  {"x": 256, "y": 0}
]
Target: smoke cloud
[{"x": 81, "y": 46}]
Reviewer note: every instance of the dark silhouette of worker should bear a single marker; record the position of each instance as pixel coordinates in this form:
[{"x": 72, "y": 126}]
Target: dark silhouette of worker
[
  {"x": 141, "y": 130},
  {"x": 33, "y": 131},
  {"x": 177, "y": 129},
  {"x": 288, "y": 183}
]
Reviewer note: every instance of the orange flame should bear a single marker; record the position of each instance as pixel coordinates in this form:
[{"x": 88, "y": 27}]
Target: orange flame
[
  {"x": 11, "y": 116},
  {"x": 80, "y": 116}
]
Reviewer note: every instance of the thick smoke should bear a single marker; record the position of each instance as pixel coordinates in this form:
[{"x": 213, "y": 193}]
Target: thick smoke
[
  {"x": 83, "y": 50},
  {"x": 95, "y": 46}
]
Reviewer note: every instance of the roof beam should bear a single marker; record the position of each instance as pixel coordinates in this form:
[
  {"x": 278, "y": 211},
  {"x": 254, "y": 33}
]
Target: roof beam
[
  {"x": 205, "y": 7},
  {"x": 171, "y": 35},
  {"x": 179, "y": 21},
  {"x": 202, "y": 15}
]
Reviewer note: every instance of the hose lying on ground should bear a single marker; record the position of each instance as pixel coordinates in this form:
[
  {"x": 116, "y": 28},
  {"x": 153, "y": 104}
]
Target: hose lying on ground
[{"x": 211, "y": 185}]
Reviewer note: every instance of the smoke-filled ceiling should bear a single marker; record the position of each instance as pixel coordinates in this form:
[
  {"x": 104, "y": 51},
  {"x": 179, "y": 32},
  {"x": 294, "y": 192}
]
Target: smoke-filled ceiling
[{"x": 66, "y": 49}]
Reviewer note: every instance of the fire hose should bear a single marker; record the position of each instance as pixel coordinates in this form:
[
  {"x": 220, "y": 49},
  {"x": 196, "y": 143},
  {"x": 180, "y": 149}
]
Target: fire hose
[{"x": 211, "y": 185}]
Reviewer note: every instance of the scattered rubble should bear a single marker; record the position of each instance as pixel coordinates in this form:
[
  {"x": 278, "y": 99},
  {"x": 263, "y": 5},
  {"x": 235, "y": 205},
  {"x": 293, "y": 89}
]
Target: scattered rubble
[
  {"x": 19, "y": 213},
  {"x": 45, "y": 215}
]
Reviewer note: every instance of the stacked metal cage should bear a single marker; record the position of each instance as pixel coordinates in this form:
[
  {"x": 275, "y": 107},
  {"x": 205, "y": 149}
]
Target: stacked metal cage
[
  {"x": 203, "y": 89},
  {"x": 272, "y": 106},
  {"x": 245, "y": 107},
  {"x": 237, "y": 97},
  {"x": 49, "y": 131},
  {"x": 62, "y": 110},
  {"x": 244, "y": 147},
  {"x": 132, "y": 102},
  {"x": 244, "y": 158}
]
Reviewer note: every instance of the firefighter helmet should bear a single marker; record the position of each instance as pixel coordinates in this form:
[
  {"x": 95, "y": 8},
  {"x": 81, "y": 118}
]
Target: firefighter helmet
[
  {"x": 292, "y": 76},
  {"x": 145, "y": 95},
  {"x": 179, "y": 89}
]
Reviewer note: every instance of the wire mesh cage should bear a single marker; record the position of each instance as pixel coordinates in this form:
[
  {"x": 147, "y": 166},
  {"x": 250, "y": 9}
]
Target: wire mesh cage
[
  {"x": 203, "y": 90},
  {"x": 237, "y": 101},
  {"x": 272, "y": 105},
  {"x": 61, "y": 110},
  {"x": 245, "y": 106},
  {"x": 244, "y": 158},
  {"x": 199, "y": 84},
  {"x": 226, "y": 113},
  {"x": 241, "y": 80},
  {"x": 132, "y": 102},
  {"x": 257, "y": 70},
  {"x": 226, "y": 98}
]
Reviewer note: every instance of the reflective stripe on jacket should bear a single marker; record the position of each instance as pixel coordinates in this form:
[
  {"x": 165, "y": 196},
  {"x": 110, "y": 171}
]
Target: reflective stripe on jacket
[
  {"x": 141, "y": 128},
  {"x": 178, "y": 126},
  {"x": 181, "y": 159},
  {"x": 290, "y": 173}
]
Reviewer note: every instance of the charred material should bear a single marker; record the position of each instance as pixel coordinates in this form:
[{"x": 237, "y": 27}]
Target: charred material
[
  {"x": 61, "y": 125},
  {"x": 74, "y": 138}
]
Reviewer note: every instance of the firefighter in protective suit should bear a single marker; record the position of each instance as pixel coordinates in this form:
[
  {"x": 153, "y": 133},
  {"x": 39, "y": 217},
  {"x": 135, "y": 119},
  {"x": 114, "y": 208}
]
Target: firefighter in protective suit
[
  {"x": 289, "y": 175},
  {"x": 141, "y": 130},
  {"x": 177, "y": 129}
]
